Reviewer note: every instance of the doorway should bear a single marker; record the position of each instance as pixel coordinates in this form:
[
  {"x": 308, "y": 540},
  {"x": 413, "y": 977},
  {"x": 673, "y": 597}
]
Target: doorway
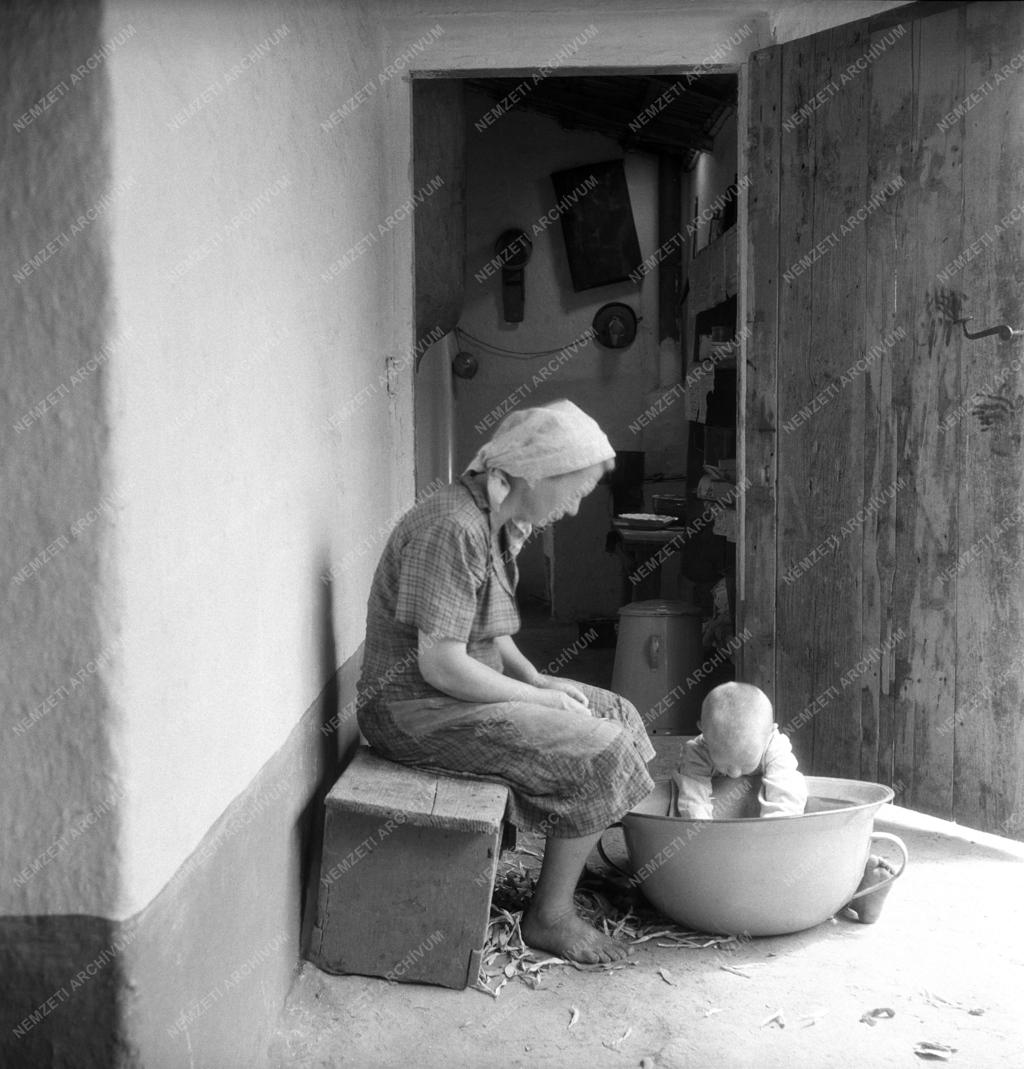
[{"x": 502, "y": 138}]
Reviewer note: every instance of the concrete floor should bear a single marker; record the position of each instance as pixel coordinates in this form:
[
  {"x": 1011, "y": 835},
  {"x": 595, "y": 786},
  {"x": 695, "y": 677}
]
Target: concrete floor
[{"x": 950, "y": 930}]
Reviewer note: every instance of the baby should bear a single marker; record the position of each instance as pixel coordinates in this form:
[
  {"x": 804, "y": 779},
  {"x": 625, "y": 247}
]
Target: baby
[{"x": 738, "y": 737}]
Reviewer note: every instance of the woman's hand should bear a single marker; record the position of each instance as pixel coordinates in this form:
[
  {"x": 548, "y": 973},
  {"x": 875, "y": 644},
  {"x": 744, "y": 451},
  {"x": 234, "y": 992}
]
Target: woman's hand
[
  {"x": 445, "y": 664},
  {"x": 554, "y": 683},
  {"x": 576, "y": 697}
]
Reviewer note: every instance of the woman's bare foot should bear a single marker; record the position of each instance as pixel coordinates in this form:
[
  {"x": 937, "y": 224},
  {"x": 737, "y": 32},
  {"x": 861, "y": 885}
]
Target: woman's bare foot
[
  {"x": 570, "y": 937},
  {"x": 869, "y": 907}
]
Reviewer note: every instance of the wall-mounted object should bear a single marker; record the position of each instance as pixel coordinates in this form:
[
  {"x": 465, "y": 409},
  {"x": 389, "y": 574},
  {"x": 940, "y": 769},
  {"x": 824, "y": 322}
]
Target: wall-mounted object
[
  {"x": 464, "y": 365},
  {"x": 615, "y": 325},
  {"x": 513, "y": 249},
  {"x": 597, "y": 224}
]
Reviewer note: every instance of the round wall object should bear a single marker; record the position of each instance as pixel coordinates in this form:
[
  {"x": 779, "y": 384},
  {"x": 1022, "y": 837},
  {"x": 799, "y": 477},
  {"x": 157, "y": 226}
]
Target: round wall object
[
  {"x": 513, "y": 248},
  {"x": 464, "y": 365},
  {"x": 615, "y": 325}
]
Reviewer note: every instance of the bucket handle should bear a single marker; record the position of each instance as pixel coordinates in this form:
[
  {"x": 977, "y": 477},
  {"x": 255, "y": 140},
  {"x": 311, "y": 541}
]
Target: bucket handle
[
  {"x": 605, "y": 858},
  {"x": 901, "y": 846},
  {"x": 654, "y": 651}
]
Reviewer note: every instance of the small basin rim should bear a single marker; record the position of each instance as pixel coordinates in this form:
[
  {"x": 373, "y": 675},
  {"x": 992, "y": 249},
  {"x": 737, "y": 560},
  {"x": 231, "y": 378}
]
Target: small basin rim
[{"x": 815, "y": 784}]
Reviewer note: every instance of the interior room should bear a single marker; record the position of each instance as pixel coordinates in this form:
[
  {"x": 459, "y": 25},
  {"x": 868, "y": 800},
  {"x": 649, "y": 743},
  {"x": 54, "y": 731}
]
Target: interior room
[
  {"x": 278, "y": 277},
  {"x": 565, "y": 123}
]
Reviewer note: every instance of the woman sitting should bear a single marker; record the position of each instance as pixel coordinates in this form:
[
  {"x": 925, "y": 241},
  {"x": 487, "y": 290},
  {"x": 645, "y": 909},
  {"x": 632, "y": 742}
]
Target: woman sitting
[{"x": 444, "y": 686}]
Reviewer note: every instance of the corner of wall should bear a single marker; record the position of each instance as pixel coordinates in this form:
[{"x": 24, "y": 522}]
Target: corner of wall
[
  {"x": 61, "y": 789},
  {"x": 54, "y": 471}
]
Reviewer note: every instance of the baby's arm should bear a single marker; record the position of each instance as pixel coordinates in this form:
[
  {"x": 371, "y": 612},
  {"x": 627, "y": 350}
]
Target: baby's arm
[
  {"x": 783, "y": 787},
  {"x": 693, "y": 782}
]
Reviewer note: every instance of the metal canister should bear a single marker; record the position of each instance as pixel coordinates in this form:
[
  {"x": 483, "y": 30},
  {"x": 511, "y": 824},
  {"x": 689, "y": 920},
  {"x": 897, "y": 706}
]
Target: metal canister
[{"x": 658, "y": 649}]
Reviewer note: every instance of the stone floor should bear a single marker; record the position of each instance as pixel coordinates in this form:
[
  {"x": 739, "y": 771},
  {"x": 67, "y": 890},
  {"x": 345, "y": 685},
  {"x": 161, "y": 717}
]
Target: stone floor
[{"x": 947, "y": 957}]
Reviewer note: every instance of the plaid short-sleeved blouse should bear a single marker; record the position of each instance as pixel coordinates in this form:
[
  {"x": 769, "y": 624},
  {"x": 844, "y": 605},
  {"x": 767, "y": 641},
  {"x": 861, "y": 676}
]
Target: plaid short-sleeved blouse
[{"x": 440, "y": 574}]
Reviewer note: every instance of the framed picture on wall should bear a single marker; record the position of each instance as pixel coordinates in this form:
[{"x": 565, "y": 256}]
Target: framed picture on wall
[{"x": 597, "y": 224}]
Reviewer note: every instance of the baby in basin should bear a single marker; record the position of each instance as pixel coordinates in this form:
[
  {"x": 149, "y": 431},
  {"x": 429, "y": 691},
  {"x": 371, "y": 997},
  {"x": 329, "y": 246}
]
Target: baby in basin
[{"x": 738, "y": 737}]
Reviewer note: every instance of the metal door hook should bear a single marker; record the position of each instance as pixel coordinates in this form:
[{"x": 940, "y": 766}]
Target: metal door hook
[{"x": 1005, "y": 332}]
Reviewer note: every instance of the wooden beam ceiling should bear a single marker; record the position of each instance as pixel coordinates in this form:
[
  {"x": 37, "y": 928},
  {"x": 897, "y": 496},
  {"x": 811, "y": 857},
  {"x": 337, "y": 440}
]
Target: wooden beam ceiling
[{"x": 661, "y": 115}]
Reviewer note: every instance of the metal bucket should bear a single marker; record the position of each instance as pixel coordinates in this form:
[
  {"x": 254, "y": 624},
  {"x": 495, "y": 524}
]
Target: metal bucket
[
  {"x": 749, "y": 875},
  {"x": 658, "y": 648}
]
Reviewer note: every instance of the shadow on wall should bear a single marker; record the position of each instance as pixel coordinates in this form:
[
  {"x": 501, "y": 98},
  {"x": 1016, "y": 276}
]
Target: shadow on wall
[{"x": 335, "y": 745}]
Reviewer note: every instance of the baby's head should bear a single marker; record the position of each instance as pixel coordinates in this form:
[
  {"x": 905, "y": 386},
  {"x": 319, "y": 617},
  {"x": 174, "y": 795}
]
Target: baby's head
[{"x": 736, "y": 720}]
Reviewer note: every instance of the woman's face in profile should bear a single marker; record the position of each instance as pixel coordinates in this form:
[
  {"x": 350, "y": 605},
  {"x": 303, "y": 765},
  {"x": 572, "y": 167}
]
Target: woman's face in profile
[{"x": 560, "y": 495}]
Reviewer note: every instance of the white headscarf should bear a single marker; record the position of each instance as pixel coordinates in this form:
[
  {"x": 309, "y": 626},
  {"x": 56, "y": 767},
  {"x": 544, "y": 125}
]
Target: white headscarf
[{"x": 537, "y": 443}]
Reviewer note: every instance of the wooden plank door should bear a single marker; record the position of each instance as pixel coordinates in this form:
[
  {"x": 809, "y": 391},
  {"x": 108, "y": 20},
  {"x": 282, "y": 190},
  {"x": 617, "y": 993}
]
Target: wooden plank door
[{"x": 883, "y": 549}]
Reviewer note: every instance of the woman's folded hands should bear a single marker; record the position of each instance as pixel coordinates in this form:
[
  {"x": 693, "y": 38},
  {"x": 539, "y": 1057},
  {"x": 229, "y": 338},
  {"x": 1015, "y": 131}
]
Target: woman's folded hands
[{"x": 562, "y": 694}]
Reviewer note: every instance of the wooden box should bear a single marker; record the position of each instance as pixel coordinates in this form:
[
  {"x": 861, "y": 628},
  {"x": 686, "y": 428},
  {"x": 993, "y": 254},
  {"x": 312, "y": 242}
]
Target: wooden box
[{"x": 408, "y": 868}]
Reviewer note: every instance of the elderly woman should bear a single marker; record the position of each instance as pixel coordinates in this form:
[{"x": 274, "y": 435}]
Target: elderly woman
[{"x": 444, "y": 686}]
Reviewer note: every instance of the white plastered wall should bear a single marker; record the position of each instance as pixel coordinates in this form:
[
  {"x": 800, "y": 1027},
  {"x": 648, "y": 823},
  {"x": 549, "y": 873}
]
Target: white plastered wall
[
  {"x": 508, "y": 184},
  {"x": 243, "y": 461}
]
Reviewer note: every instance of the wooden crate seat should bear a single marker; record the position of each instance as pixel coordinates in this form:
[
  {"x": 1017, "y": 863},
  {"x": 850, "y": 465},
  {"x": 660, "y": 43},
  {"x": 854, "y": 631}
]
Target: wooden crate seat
[{"x": 407, "y": 873}]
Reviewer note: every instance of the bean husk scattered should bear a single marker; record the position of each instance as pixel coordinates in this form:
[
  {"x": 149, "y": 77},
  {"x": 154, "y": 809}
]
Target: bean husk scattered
[
  {"x": 619, "y": 911},
  {"x": 937, "y": 1052},
  {"x": 881, "y": 1013}
]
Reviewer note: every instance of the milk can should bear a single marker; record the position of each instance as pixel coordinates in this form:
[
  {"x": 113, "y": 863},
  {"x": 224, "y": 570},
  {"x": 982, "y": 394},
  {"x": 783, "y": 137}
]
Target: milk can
[{"x": 658, "y": 649}]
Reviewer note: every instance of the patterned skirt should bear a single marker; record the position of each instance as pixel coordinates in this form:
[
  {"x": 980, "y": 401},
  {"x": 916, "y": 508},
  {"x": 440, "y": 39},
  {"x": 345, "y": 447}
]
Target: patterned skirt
[{"x": 569, "y": 774}]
